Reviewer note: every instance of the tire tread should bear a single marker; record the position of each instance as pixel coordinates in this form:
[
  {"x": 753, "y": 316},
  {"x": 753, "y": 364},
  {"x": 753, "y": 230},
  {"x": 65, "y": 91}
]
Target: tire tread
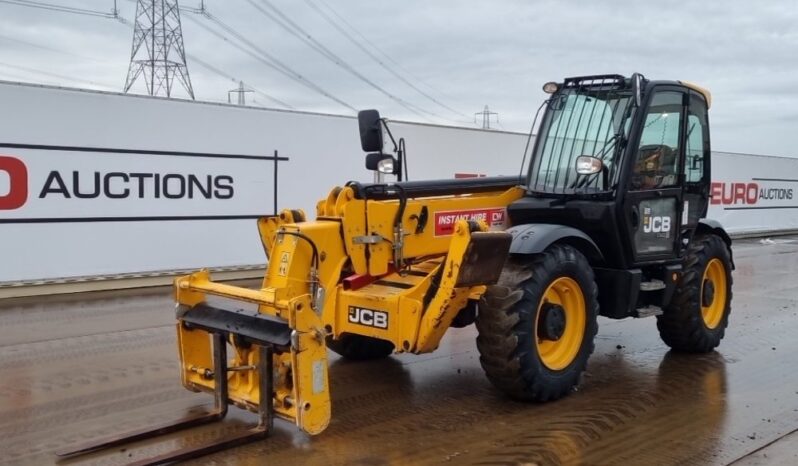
[
  {"x": 502, "y": 332},
  {"x": 681, "y": 326}
]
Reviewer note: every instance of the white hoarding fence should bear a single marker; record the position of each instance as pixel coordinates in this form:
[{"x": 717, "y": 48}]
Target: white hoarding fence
[
  {"x": 98, "y": 184},
  {"x": 103, "y": 184}
]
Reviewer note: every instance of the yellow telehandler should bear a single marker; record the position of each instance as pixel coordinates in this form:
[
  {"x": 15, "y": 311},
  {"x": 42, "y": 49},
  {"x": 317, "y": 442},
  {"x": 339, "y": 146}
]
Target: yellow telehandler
[{"x": 608, "y": 220}]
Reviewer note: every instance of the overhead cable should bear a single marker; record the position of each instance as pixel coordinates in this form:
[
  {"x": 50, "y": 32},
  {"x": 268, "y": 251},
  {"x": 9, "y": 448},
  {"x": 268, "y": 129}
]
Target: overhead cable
[
  {"x": 374, "y": 46},
  {"x": 269, "y": 60},
  {"x": 221, "y": 73},
  {"x": 225, "y": 75},
  {"x": 54, "y": 75},
  {"x": 294, "y": 29},
  {"x": 61, "y": 8},
  {"x": 49, "y": 49},
  {"x": 359, "y": 44},
  {"x": 216, "y": 70},
  {"x": 258, "y": 53}
]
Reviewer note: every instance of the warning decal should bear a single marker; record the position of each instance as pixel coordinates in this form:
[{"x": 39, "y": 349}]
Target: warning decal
[
  {"x": 444, "y": 221},
  {"x": 284, "y": 260}
]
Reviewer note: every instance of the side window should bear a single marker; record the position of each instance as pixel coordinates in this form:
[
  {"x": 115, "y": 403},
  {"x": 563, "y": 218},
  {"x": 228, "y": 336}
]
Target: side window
[
  {"x": 697, "y": 140},
  {"x": 656, "y": 164}
]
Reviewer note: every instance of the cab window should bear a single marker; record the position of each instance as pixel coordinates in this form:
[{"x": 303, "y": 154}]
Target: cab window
[
  {"x": 697, "y": 141},
  {"x": 656, "y": 163}
]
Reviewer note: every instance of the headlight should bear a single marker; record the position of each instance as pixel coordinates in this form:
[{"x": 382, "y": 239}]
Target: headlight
[
  {"x": 386, "y": 166},
  {"x": 551, "y": 87}
]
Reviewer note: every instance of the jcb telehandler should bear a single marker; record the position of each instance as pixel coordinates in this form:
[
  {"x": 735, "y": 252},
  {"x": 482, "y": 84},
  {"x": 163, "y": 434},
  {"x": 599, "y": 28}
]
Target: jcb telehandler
[{"x": 608, "y": 220}]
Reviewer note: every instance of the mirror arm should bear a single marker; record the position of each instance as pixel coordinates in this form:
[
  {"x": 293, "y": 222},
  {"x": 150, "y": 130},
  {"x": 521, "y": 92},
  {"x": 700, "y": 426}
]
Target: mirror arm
[
  {"x": 400, "y": 162},
  {"x": 390, "y": 135},
  {"x": 398, "y": 168},
  {"x": 402, "y": 156},
  {"x": 638, "y": 81}
]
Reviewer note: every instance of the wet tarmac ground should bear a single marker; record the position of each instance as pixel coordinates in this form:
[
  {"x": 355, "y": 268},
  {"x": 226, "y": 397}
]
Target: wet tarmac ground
[{"x": 76, "y": 368}]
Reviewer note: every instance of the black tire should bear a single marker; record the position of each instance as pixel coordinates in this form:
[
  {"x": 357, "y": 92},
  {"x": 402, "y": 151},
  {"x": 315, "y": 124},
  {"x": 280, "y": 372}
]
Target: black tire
[
  {"x": 359, "y": 347},
  {"x": 507, "y": 325},
  {"x": 682, "y": 325}
]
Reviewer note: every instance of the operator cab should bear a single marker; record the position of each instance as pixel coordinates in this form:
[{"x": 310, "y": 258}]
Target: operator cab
[{"x": 625, "y": 160}]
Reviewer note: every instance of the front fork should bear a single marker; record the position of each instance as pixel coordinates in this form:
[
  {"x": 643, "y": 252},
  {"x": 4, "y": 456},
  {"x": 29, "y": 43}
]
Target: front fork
[{"x": 298, "y": 382}]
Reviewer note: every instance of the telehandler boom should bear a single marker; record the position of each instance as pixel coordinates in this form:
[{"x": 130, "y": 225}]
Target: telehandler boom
[{"x": 608, "y": 220}]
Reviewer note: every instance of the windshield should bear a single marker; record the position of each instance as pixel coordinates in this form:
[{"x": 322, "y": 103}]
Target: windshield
[{"x": 578, "y": 122}]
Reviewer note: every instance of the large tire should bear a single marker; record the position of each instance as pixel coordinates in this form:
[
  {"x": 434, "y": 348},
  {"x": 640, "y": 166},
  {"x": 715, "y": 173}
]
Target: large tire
[
  {"x": 522, "y": 356},
  {"x": 359, "y": 347},
  {"x": 696, "y": 318}
]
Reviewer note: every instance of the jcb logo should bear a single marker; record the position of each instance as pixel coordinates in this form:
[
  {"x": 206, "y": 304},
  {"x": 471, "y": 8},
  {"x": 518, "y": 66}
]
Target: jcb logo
[
  {"x": 14, "y": 188},
  {"x": 656, "y": 224},
  {"x": 368, "y": 317}
]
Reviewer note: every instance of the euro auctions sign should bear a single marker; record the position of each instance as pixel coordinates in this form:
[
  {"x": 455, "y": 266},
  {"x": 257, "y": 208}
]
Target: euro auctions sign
[
  {"x": 87, "y": 184},
  {"x": 42, "y": 184},
  {"x": 755, "y": 193},
  {"x": 496, "y": 218}
]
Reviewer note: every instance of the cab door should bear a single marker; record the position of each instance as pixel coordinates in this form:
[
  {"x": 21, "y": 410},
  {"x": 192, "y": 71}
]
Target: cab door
[
  {"x": 696, "y": 165},
  {"x": 653, "y": 200}
]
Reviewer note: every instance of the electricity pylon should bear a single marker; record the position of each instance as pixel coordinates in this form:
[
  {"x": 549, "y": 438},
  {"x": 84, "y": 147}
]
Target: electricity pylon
[{"x": 158, "y": 53}]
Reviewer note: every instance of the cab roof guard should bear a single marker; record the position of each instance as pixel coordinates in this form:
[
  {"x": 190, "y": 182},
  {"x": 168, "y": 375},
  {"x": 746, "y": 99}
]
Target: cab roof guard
[{"x": 599, "y": 80}]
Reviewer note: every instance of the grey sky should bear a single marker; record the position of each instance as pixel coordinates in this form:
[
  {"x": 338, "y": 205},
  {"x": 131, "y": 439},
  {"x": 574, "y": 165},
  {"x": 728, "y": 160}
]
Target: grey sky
[{"x": 464, "y": 54}]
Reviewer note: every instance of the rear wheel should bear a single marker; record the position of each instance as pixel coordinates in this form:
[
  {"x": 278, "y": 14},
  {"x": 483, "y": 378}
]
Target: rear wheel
[
  {"x": 696, "y": 319},
  {"x": 536, "y": 326},
  {"x": 359, "y": 347}
]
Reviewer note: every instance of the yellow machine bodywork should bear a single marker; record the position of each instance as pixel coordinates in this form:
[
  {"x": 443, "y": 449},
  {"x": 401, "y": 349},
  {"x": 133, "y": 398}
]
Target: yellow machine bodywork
[{"x": 357, "y": 270}]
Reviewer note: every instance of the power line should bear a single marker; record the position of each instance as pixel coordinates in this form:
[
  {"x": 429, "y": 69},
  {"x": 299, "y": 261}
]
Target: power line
[
  {"x": 254, "y": 55},
  {"x": 256, "y": 52},
  {"x": 374, "y": 46},
  {"x": 60, "y": 8},
  {"x": 214, "y": 69},
  {"x": 294, "y": 29},
  {"x": 53, "y": 75},
  {"x": 374, "y": 57},
  {"x": 221, "y": 73},
  {"x": 271, "y": 61},
  {"x": 50, "y": 49},
  {"x": 273, "y": 99}
]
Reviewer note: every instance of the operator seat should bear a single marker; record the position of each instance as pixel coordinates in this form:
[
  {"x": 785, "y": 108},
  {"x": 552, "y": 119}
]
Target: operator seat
[{"x": 655, "y": 167}]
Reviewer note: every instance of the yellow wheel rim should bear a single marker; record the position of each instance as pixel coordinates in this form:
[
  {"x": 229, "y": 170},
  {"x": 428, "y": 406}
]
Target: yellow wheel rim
[
  {"x": 558, "y": 354},
  {"x": 712, "y": 312}
]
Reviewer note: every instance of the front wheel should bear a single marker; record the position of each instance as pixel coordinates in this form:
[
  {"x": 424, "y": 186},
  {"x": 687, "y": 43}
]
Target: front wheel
[
  {"x": 696, "y": 318},
  {"x": 537, "y": 325}
]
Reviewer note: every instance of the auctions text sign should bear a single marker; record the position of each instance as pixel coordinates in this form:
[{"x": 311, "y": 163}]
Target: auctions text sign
[{"x": 49, "y": 183}]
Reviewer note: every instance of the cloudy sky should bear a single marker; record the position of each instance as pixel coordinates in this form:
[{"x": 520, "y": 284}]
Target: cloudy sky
[{"x": 442, "y": 61}]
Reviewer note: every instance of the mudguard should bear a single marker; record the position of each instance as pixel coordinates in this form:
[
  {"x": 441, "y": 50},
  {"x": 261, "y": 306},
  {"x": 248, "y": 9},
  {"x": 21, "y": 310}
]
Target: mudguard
[
  {"x": 713, "y": 226},
  {"x": 709, "y": 226},
  {"x": 534, "y": 238}
]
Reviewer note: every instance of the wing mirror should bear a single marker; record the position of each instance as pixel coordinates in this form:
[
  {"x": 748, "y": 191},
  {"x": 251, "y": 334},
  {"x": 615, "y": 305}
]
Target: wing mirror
[
  {"x": 371, "y": 127},
  {"x": 370, "y": 130},
  {"x": 588, "y": 165}
]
